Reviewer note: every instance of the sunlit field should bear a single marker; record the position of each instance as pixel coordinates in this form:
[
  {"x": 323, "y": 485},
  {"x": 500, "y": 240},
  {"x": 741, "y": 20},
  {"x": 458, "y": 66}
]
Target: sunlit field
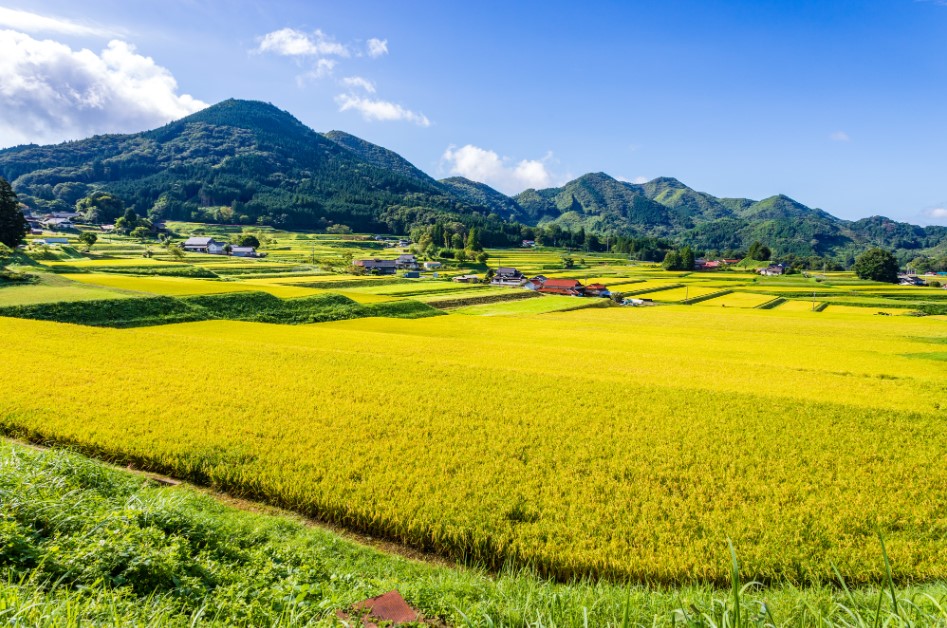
[{"x": 617, "y": 442}]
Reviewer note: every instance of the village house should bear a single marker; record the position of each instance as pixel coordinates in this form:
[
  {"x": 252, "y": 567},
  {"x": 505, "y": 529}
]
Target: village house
[
  {"x": 57, "y": 224},
  {"x": 244, "y": 251},
  {"x": 528, "y": 244},
  {"x": 432, "y": 265},
  {"x": 204, "y": 245},
  {"x": 466, "y": 278},
  {"x": 565, "y": 287},
  {"x": 773, "y": 270},
  {"x": 506, "y": 276},
  {"x": 377, "y": 266},
  {"x": 597, "y": 290},
  {"x": 407, "y": 262},
  {"x": 535, "y": 283}
]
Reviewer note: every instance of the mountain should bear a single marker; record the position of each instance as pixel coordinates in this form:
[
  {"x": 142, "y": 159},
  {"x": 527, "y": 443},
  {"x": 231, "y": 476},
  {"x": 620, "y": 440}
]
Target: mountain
[
  {"x": 380, "y": 157},
  {"x": 237, "y": 161},
  {"x": 252, "y": 163},
  {"x": 597, "y": 202},
  {"x": 482, "y": 195}
]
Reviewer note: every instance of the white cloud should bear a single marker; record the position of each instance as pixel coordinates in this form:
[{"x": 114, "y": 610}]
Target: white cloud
[
  {"x": 636, "y": 180},
  {"x": 34, "y": 23},
  {"x": 50, "y": 92},
  {"x": 840, "y": 136},
  {"x": 939, "y": 213},
  {"x": 379, "y": 109},
  {"x": 358, "y": 81},
  {"x": 501, "y": 173},
  {"x": 290, "y": 42},
  {"x": 377, "y": 47},
  {"x": 321, "y": 69}
]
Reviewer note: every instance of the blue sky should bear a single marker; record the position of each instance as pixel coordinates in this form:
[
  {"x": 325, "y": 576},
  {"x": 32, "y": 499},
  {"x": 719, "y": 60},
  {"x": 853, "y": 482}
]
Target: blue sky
[{"x": 841, "y": 105}]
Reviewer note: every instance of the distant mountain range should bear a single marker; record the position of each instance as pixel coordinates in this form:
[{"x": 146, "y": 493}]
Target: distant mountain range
[{"x": 249, "y": 162}]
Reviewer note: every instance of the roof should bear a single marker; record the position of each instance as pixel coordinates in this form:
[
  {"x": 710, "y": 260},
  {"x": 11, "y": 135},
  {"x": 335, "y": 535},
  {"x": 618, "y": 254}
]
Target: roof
[
  {"x": 242, "y": 249},
  {"x": 376, "y": 263},
  {"x": 596, "y": 286},
  {"x": 407, "y": 258},
  {"x": 562, "y": 283},
  {"x": 507, "y": 270},
  {"x": 198, "y": 241}
]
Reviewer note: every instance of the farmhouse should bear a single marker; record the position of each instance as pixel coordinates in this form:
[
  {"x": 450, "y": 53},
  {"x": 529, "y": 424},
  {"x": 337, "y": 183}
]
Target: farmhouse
[
  {"x": 466, "y": 278},
  {"x": 204, "y": 245},
  {"x": 506, "y": 276},
  {"x": 378, "y": 266},
  {"x": 528, "y": 244},
  {"x": 432, "y": 265},
  {"x": 58, "y": 223},
  {"x": 597, "y": 290},
  {"x": 244, "y": 251},
  {"x": 566, "y": 287},
  {"x": 773, "y": 270},
  {"x": 407, "y": 262}
]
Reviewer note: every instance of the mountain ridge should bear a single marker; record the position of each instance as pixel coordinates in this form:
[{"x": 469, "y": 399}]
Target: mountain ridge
[{"x": 250, "y": 162}]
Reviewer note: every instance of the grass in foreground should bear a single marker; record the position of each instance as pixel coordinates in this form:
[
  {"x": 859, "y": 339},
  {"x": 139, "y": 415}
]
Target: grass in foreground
[{"x": 86, "y": 544}]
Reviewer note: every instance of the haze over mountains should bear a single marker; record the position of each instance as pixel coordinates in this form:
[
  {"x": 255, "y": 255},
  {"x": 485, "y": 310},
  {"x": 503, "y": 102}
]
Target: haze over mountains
[{"x": 249, "y": 162}]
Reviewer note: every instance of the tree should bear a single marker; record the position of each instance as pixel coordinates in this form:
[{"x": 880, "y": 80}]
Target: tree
[
  {"x": 759, "y": 252},
  {"x": 672, "y": 261},
  {"x": 456, "y": 241},
  {"x": 568, "y": 262},
  {"x": 482, "y": 257},
  {"x": 142, "y": 233},
  {"x": 473, "y": 240},
  {"x": 249, "y": 240},
  {"x": 336, "y": 229},
  {"x": 13, "y": 225},
  {"x": 100, "y": 207},
  {"x": 88, "y": 238},
  {"x": 687, "y": 258},
  {"x": 877, "y": 265},
  {"x": 461, "y": 256}
]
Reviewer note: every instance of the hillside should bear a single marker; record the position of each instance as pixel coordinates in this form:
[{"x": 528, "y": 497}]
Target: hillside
[
  {"x": 251, "y": 163},
  {"x": 237, "y": 161},
  {"x": 482, "y": 195}
]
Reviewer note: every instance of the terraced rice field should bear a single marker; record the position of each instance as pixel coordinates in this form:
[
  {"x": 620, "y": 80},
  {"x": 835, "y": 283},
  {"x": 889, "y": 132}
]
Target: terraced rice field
[
  {"x": 538, "y": 305},
  {"x": 797, "y": 305},
  {"x": 179, "y": 286},
  {"x": 673, "y": 295},
  {"x": 584, "y": 443},
  {"x": 864, "y": 311},
  {"x": 737, "y": 299}
]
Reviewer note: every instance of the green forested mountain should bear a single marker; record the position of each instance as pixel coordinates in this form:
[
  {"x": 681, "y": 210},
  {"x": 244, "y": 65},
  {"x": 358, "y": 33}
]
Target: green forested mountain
[
  {"x": 482, "y": 195},
  {"x": 251, "y": 163},
  {"x": 667, "y": 208}
]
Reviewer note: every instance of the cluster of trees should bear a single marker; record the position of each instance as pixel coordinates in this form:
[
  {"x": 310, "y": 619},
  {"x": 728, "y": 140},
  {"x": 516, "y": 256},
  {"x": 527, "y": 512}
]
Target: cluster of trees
[
  {"x": 877, "y": 265},
  {"x": 13, "y": 225},
  {"x": 679, "y": 259}
]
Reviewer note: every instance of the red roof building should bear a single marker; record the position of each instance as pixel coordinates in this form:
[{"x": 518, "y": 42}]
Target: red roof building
[{"x": 567, "y": 287}]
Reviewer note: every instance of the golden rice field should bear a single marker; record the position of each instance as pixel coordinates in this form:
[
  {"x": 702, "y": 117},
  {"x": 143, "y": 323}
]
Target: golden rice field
[
  {"x": 797, "y": 305},
  {"x": 181, "y": 286},
  {"x": 621, "y": 442},
  {"x": 681, "y": 293},
  {"x": 863, "y": 311},
  {"x": 737, "y": 299}
]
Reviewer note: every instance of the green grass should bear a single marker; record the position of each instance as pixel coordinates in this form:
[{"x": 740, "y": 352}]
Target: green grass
[
  {"x": 242, "y": 306},
  {"x": 82, "y": 543},
  {"x": 52, "y": 289}
]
